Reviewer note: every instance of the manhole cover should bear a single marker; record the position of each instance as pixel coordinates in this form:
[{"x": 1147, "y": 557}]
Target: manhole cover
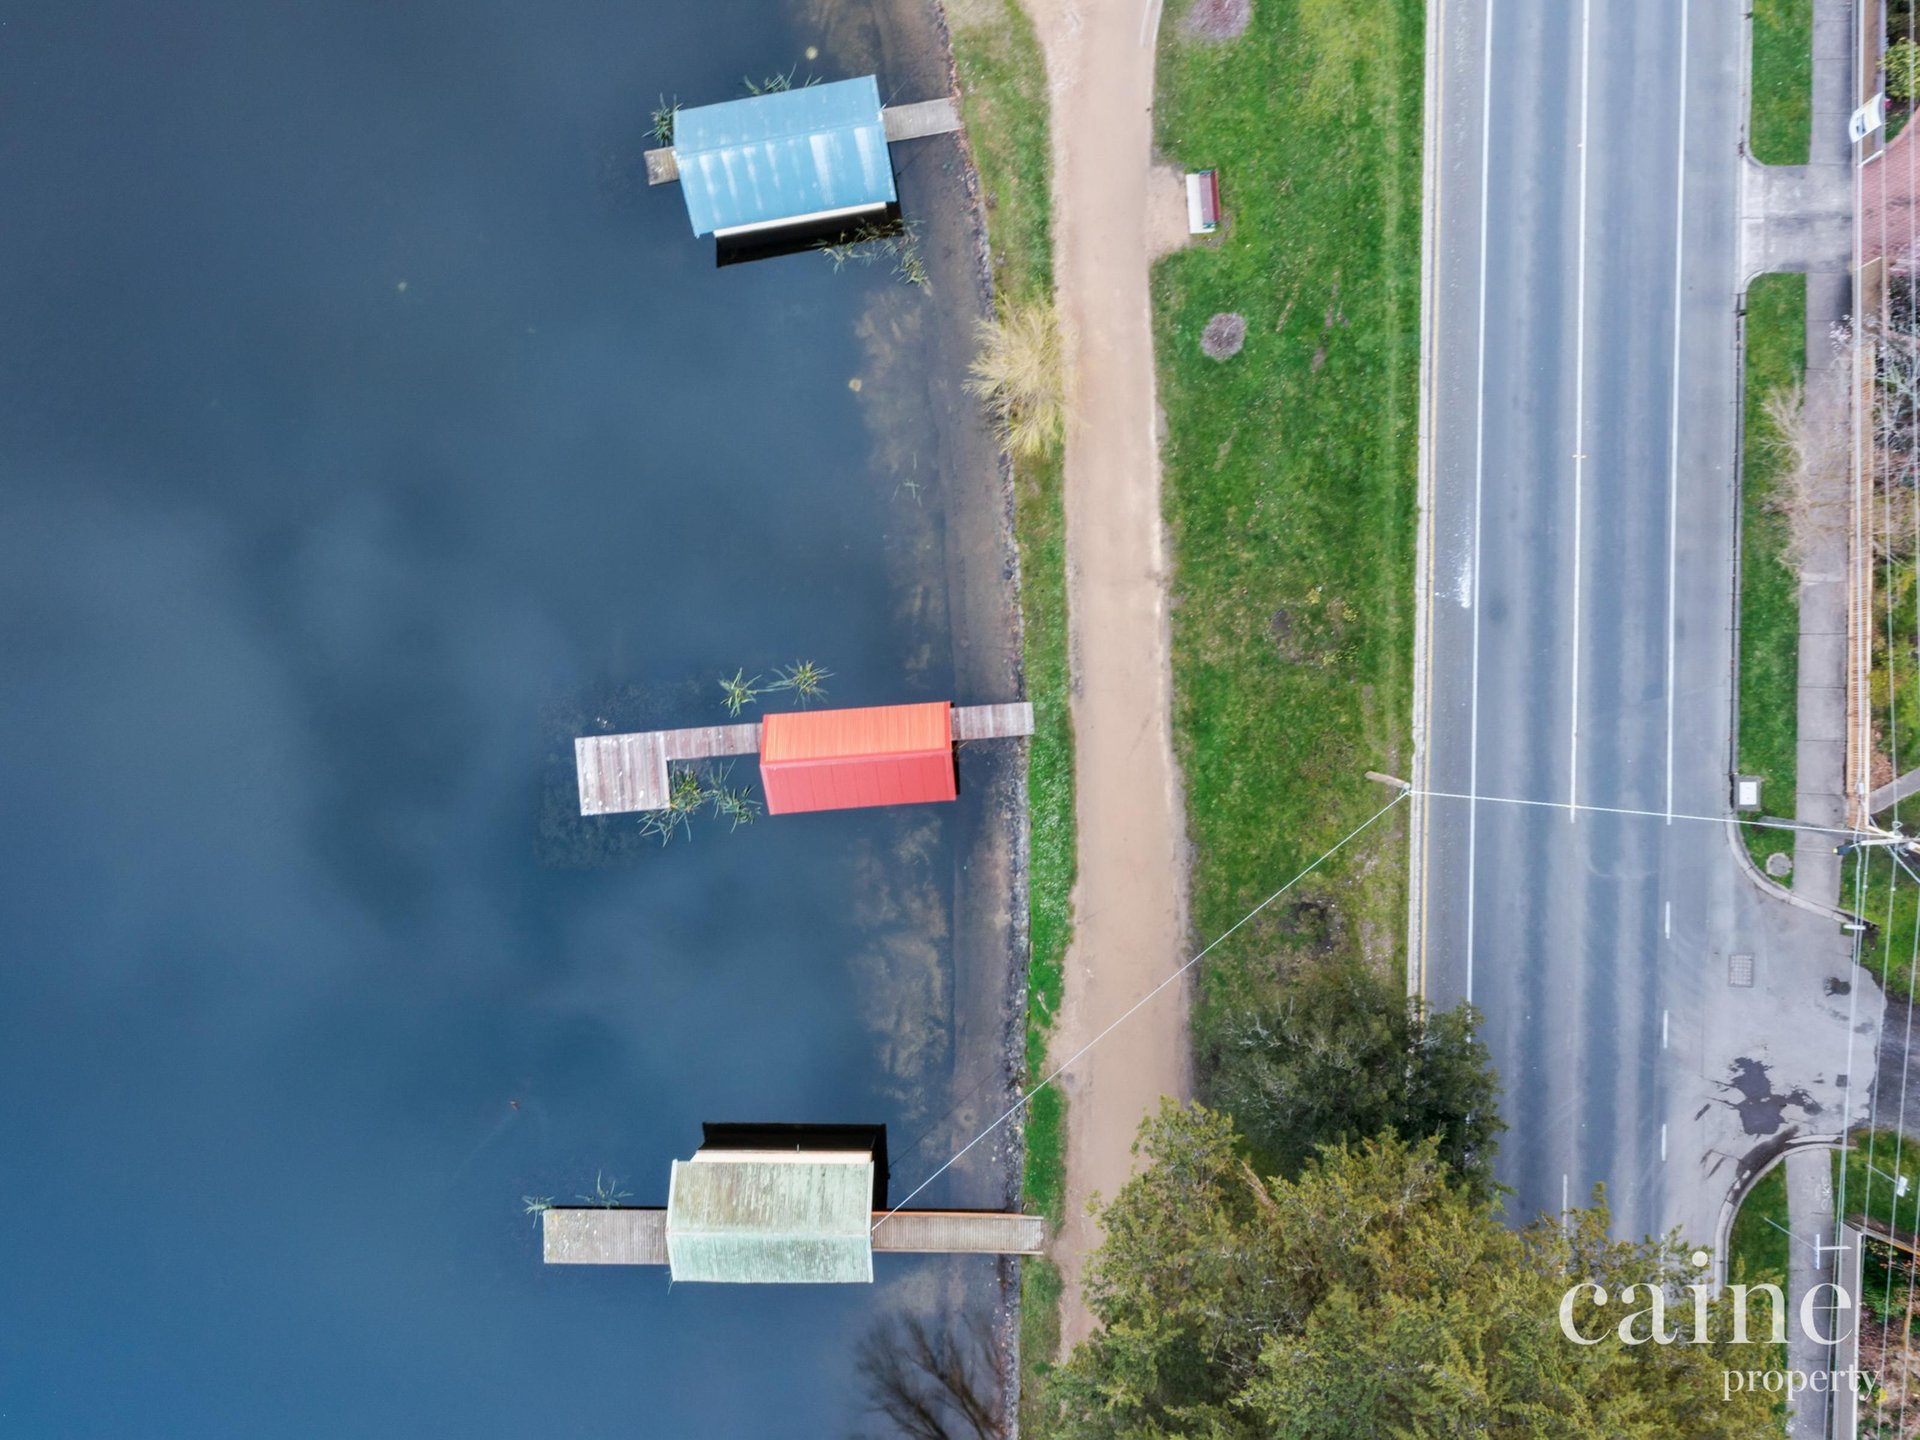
[
  {"x": 1740, "y": 970},
  {"x": 1779, "y": 864}
]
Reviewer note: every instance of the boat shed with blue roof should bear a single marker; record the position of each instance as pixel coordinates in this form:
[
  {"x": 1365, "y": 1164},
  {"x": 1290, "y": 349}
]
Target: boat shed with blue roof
[{"x": 791, "y": 158}]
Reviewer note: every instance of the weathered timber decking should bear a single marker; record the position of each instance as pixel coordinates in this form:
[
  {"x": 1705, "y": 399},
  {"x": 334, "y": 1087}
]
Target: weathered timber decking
[
  {"x": 704, "y": 742},
  {"x": 959, "y": 1232},
  {"x": 927, "y": 117},
  {"x": 663, "y": 166},
  {"x": 600, "y": 1236},
  {"x": 618, "y": 773},
  {"x": 992, "y": 722},
  {"x": 622, "y": 773}
]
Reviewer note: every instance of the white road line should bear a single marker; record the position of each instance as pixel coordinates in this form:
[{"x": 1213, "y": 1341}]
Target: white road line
[
  {"x": 1673, "y": 433},
  {"x": 1479, "y": 474},
  {"x": 1579, "y": 408},
  {"x": 1665, "y": 1015},
  {"x": 1564, "y": 1206},
  {"x": 1666, "y": 924},
  {"x": 1663, "y": 1142}
]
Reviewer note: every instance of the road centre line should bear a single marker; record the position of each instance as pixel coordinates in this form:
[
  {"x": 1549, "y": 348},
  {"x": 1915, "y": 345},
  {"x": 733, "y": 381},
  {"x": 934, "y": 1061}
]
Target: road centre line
[
  {"x": 1673, "y": 433},
  {"x": 1479, "y": 476},
  {"x": 1663, "y": 1142},
  {"x": 1579, "y": 406},
  {"x": 1666, "y": 923}
]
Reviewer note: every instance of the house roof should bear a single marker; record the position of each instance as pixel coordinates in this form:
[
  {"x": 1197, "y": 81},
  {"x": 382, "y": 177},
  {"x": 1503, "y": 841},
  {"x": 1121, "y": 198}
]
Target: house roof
[
  {"x": 785, "y": 156},
  {"x": 770, "y": 1216}
]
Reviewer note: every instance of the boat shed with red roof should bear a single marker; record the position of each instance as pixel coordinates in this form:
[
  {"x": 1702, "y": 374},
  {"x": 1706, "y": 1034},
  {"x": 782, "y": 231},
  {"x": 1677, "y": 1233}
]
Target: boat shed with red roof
[{"x": 846, "y": 759}]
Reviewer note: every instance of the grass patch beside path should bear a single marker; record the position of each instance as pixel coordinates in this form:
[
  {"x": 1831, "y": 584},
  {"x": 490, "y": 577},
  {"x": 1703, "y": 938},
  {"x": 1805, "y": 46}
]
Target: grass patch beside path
[
  {"x": 1769, "y": 591},
  {"x": 1290, "y": 483},
  {"x": 1780, "y": 122},
  {"x": 1757, "y": 1251},
  {"x": 1889, "y": 900},
  {"x": 1003, "y": 100}
]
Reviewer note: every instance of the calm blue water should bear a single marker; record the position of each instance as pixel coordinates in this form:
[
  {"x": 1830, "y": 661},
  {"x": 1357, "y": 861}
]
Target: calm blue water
[{"x": 367, "y": 429}]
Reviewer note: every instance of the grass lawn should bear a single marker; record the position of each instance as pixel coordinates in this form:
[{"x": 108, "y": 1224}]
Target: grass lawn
[
  {"x": 1757, "y": 1251},
  {"x": 1290, "y": 482},
  {"x": 1890, "y": 900},
  {"x": 1769, "y": 590},
  {"x": 1780, "y": 124},
  {"x": 1003, "y": 87}
]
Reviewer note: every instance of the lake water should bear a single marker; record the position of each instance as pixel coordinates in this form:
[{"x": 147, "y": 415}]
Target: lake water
[{"x": 367, "y": 430}]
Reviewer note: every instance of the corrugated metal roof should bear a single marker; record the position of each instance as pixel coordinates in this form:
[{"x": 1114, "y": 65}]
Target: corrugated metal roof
[
  {"x": 850, "y": 734},
  {"x": 764, "y": 1217},
  {"x": 847, "y": 759},
  {"x": 783, "y": 156}
]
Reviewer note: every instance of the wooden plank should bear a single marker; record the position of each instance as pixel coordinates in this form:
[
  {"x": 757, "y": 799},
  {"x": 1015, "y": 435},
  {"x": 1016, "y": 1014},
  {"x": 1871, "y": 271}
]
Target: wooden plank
[
  {"x": 928, "y": 117},
  {"x": 663, "y": 166},
  {"x": 620, "y": 773},
  {"x": 959, "y": 1232},
  {"x": 992, "y": 722},
  {"x": 602, "y": 1236},
  {"x": 704, "y": 742}
]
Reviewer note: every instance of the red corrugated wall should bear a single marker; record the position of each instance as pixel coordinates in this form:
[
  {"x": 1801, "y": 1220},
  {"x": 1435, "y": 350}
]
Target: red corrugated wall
[{"x": 846, "y": 759}]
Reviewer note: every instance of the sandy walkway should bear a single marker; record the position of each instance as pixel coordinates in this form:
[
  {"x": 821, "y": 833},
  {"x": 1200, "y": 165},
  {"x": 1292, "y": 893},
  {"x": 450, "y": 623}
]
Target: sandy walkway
[{"x": 1130, "y": 901}]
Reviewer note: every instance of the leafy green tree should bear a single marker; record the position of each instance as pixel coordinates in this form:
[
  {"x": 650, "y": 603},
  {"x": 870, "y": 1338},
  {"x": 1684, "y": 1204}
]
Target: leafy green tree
[
  {"x": 1903, "y": 70},
  {"x": 1342, "y": 1056},
  {"x": 1372, "y": 1296}
]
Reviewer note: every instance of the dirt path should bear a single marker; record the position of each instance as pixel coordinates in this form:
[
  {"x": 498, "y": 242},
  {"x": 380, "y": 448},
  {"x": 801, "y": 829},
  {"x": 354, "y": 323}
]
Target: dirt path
[{"x": 1130, "y": 903}]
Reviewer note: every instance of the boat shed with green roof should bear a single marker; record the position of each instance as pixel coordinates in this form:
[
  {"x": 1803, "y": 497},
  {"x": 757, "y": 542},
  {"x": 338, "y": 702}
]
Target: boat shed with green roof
[{"x": 772, "y": 1217}]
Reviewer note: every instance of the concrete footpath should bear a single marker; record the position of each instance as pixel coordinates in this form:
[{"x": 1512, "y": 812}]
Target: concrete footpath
[{"x": 1800, "y": 218}]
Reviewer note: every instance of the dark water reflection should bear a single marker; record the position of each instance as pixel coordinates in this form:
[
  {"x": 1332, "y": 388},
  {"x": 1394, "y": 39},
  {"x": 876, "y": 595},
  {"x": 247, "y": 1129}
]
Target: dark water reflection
[{"x": 365, "y": 427}]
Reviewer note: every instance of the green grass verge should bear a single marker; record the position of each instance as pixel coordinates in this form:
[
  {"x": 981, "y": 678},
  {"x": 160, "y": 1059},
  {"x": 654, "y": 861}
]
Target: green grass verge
[
  {"x": 1040, "y": 1288},
  {"x": 1888, "y": 899},
  {"x": 1290, "y": 482},
  {"x": 1003, "y": 90},
  {"x": 1873, "y": 1166},
  {"x": 1780, "y": 123},
  {"x": 1757, "y": 1251},
  {"x": 1769, "y": 591}
]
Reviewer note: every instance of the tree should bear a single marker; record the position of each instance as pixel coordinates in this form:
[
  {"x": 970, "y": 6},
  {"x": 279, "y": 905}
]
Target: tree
[
  {"x": 1903, "y": 70},
  {"x": 1342, "y": 1056},
  {"x": 1372, "y": 1296}
]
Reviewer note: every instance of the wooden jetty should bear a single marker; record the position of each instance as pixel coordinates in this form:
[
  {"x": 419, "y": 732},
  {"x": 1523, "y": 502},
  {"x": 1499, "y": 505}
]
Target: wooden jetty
[
  {"x": 631, "y": 1236},
  {"x": 619, "y": 774},
  {"x": 663, "y": 167},
  {"x": 992, "y": 722},
  {"x": 917, "y": 121},
  {"x": 901, "y": 122}
]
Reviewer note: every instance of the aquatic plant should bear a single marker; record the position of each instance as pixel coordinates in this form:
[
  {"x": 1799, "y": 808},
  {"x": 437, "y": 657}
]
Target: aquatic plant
[
  {"x": 740, "y": 692},
  {"x": 535, "y": 1205},
  {"x": 1021, "y": 373},
  {"x": 804, "y": 678},
  {"x": 607, "y": 1193},
  {"x": 898, "y": 241},
  {"x": 686, "y": 797},
  {"x": 663, "y": 114},
  {"x": 733, "y": 803},
  {"x": 773, "y": 84}
]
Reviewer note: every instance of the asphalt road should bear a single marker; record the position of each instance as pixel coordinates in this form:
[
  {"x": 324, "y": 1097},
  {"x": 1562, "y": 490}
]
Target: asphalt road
[{"x": 1583, "y": 377}]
